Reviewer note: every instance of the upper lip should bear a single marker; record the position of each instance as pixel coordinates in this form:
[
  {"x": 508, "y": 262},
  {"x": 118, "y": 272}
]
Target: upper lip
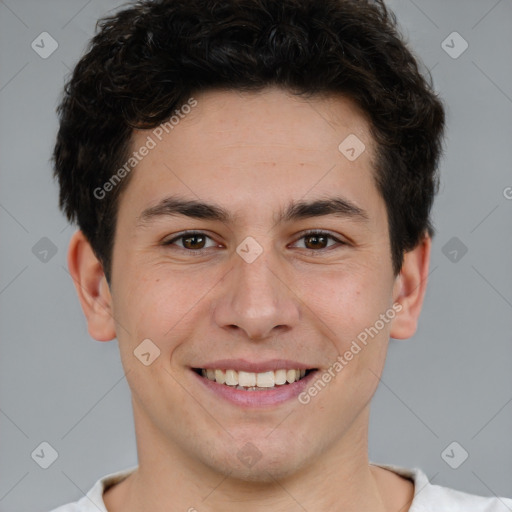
[{"x": 255, "y": 367}]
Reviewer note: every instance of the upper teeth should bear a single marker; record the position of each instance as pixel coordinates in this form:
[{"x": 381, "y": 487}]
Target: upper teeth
[{"x": 249, "y": 379}]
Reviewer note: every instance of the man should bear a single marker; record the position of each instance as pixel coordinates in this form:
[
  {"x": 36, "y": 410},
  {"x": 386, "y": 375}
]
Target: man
[{"x": 252, "y": 180}]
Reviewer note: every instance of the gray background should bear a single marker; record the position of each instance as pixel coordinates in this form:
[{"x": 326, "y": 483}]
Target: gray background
[{"x": 451, "y": 382}]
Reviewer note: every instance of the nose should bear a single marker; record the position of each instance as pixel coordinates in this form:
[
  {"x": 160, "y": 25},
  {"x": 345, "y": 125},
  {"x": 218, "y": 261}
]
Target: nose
[{"x": 257, "y": 299}]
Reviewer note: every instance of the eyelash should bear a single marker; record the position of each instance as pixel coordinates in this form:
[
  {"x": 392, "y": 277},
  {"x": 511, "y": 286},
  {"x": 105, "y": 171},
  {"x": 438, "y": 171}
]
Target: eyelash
[{"x": 186, "y": 234}]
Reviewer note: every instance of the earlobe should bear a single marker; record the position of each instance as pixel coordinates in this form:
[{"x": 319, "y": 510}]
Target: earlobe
[
  {"x": 410, "y": 288},
  {"x": 92, "y": 288}
]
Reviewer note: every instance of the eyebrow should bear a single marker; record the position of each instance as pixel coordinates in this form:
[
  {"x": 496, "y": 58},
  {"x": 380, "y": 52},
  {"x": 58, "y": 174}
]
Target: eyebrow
[
  {"x": 296, "y": 210},
  {"x": 337, "y": 206},
  {"x": 172, "y": 206}
]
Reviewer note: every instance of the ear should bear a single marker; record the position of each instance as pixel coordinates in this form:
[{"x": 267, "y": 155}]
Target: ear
[
  {"x": 409, "y": 289},
  {"x": 92, "y": 288}
]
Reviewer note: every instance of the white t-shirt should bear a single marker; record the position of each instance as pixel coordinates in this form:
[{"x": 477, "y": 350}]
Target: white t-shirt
[{"x": 427, "y": 497}]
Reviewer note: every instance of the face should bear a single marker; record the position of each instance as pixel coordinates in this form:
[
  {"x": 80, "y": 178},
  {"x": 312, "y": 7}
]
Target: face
[{"x": 247, "y": 241}]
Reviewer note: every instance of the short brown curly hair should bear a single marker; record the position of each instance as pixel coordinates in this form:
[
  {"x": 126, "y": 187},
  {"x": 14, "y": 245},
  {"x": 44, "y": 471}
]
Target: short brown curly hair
[{"x": 147, "y": 59}]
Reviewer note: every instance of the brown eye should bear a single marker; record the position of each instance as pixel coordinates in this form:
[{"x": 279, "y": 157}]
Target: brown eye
[
  {"x": 316, "y": 241},
  {"x": 191, "y": 241},
  {"x": 194, "y": 242}
]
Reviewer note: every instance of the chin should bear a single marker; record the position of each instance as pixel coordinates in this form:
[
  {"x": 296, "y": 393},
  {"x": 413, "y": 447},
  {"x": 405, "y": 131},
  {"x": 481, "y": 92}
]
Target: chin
[{"x": 264, "y": 466}]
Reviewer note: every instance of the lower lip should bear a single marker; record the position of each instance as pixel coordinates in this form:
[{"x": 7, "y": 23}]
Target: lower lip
[{"x": 253, "y": 399}]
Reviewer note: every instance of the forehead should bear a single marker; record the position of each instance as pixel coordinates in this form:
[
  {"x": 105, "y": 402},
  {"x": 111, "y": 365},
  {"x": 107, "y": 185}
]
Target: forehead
[
  {"x": 270, "y": 146},
  {"x": 271, "y": 116}
]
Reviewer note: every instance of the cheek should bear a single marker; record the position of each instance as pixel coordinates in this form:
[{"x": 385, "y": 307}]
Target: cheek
[
  {"x": 346, "y": 306},
  {"x": 161, "y": 305},
  {"x": 347, "y": 301},
  {"x": 160, "y": 310}
]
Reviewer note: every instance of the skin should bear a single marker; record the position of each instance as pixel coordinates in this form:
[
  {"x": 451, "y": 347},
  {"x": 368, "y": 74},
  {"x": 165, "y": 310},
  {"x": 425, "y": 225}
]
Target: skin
[{"x": 252, "y": 154}]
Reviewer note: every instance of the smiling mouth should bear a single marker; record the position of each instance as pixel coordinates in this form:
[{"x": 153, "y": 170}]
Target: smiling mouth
[{"x": 249, "y": 381}]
